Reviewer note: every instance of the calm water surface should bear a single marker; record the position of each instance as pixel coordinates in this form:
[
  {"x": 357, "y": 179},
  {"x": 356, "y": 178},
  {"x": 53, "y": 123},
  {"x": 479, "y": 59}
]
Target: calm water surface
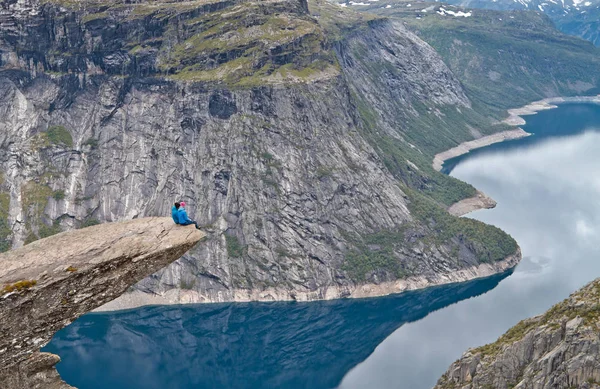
[{"x": 548, "y": 192}]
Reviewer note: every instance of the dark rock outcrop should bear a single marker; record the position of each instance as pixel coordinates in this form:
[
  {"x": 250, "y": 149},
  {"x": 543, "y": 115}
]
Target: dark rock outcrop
[{"x": 51, "y": 282}]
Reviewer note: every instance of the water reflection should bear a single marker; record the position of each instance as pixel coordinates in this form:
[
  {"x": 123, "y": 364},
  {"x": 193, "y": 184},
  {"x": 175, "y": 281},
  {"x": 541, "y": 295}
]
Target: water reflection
[
  {"x": 547, "y": 192},
  {"x": 258, "y": 345}
]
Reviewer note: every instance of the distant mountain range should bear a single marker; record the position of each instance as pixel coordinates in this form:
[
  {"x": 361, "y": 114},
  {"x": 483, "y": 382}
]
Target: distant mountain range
[{"x": 574, "y": 17}]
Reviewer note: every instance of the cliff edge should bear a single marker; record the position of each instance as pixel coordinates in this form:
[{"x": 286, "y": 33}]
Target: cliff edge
[
  {"x": 51, "y": 282},
  {"x": 559, "y": 349}
]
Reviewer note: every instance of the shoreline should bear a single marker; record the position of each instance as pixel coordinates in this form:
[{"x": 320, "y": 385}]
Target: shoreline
[
  {"x": 470, "y": 204},
  {"x": 514, "y": 119},
  {"x": 514, "y": 115},
  {"x": 465, "y": 147},
  {"x": 481, "y": 200},
  {"x": 138, "y": 299}
]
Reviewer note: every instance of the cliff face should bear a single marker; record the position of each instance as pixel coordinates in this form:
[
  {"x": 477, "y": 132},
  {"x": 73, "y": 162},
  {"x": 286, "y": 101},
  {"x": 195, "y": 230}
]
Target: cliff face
[
  {"x": 112, "y": 111},
  {"x": 51, "y": 282},
  {"x": 559, "y": 349}
]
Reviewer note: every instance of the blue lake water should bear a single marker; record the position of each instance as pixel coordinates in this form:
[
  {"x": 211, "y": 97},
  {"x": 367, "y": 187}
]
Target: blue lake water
[{"x": 548, "y": 192}]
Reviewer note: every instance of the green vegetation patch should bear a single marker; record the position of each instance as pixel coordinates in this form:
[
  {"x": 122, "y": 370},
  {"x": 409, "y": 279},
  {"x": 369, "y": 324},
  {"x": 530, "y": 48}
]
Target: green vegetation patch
[
  {"x": 31, "y": 237},
  {"x": 94, "y": 16},
  {"x": 59, "y": 135},
  {"x": 224, "y": 32},
  {"x": 35, "y": 197},
  {"x": 55, "y": 135},
  {"x": 337, "y": 21},
  {"x": 433, "y": 227},
  {"x": 5, "y": 230},
  {"x": 374, "y": 253},
  {"x": 19, "y": 286},
  {"x": 45, "y": 230},
  {"x": 247, "y": 71},
  {"x": 235, "y": 248},
  {"x": 248, "y": 45},
  {"x": 489, "y": 243},
  {"x": 187, "y": 284},
  {"x": 58, "y": 195},
  {"x": 92, "y": 142},
  {"x": 410, "y": 159},
  {"x": 90, "y": 222}
]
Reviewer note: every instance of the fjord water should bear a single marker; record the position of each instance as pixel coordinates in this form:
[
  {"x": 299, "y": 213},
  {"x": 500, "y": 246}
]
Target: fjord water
[
  {"x": 548, "y": 192},
  {"x": 250, "y": 345}
]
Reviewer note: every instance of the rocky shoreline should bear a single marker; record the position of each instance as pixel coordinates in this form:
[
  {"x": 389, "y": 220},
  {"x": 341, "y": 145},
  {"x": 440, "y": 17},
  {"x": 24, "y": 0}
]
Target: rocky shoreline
[
  {"x": 514, "y": 115},
  {"x": 465, "y": 147},
  {"x": 137, "y": 299},
  {"x": 479, "y": 201}
]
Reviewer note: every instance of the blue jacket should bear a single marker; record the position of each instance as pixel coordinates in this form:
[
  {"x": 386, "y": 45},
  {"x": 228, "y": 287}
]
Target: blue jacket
[
  {"x": 182, "y": 215},
  {"x": 175, "y": 215}
]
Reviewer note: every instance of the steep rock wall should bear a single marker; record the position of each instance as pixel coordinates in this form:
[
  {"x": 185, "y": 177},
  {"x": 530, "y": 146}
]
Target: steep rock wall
[{"x": 273, "y": 160}]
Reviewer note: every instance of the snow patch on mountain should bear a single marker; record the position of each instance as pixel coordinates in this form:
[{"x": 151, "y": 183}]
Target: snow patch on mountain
[{"x": 443, "y": 11}]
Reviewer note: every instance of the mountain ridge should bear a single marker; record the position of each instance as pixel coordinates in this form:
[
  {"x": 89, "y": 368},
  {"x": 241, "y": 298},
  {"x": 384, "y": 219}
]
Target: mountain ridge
[{"x": 573, "y": 17}]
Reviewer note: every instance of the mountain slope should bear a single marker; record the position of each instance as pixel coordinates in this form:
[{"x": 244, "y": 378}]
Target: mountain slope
[
  {"x": 253, "y": 113},
  {"x": 574, "y": 17},
  {"x": 503, "y": 59},
  {"x": 558, "y": 349}
]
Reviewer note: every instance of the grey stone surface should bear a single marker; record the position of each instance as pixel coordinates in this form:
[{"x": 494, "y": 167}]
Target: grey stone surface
[{"x": 557, "y": 350}]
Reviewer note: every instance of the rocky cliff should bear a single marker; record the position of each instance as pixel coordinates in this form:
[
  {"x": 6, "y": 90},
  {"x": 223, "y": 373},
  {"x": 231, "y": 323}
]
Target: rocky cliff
[
  {"x": 559, "y": 349},
  {"x": 51, "y": 282},
  {"x": 268, "y": 117}
]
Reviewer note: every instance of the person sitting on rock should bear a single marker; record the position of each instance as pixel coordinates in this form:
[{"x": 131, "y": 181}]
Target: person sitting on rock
[
  {"x": 175, "y": 212},
  {"x": 184, "y": 220}
]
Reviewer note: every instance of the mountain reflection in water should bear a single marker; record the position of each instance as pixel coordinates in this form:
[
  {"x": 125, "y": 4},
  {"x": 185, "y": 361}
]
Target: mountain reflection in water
[{"x": 249, "y": 345}]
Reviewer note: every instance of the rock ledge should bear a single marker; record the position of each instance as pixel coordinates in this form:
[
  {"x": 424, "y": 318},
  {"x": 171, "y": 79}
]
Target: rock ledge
[{"x": 51, "y": 282}]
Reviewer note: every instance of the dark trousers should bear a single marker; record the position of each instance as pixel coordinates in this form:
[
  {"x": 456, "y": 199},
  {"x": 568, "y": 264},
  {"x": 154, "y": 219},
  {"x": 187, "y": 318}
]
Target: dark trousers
[{"x": 187, "y": 223}]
